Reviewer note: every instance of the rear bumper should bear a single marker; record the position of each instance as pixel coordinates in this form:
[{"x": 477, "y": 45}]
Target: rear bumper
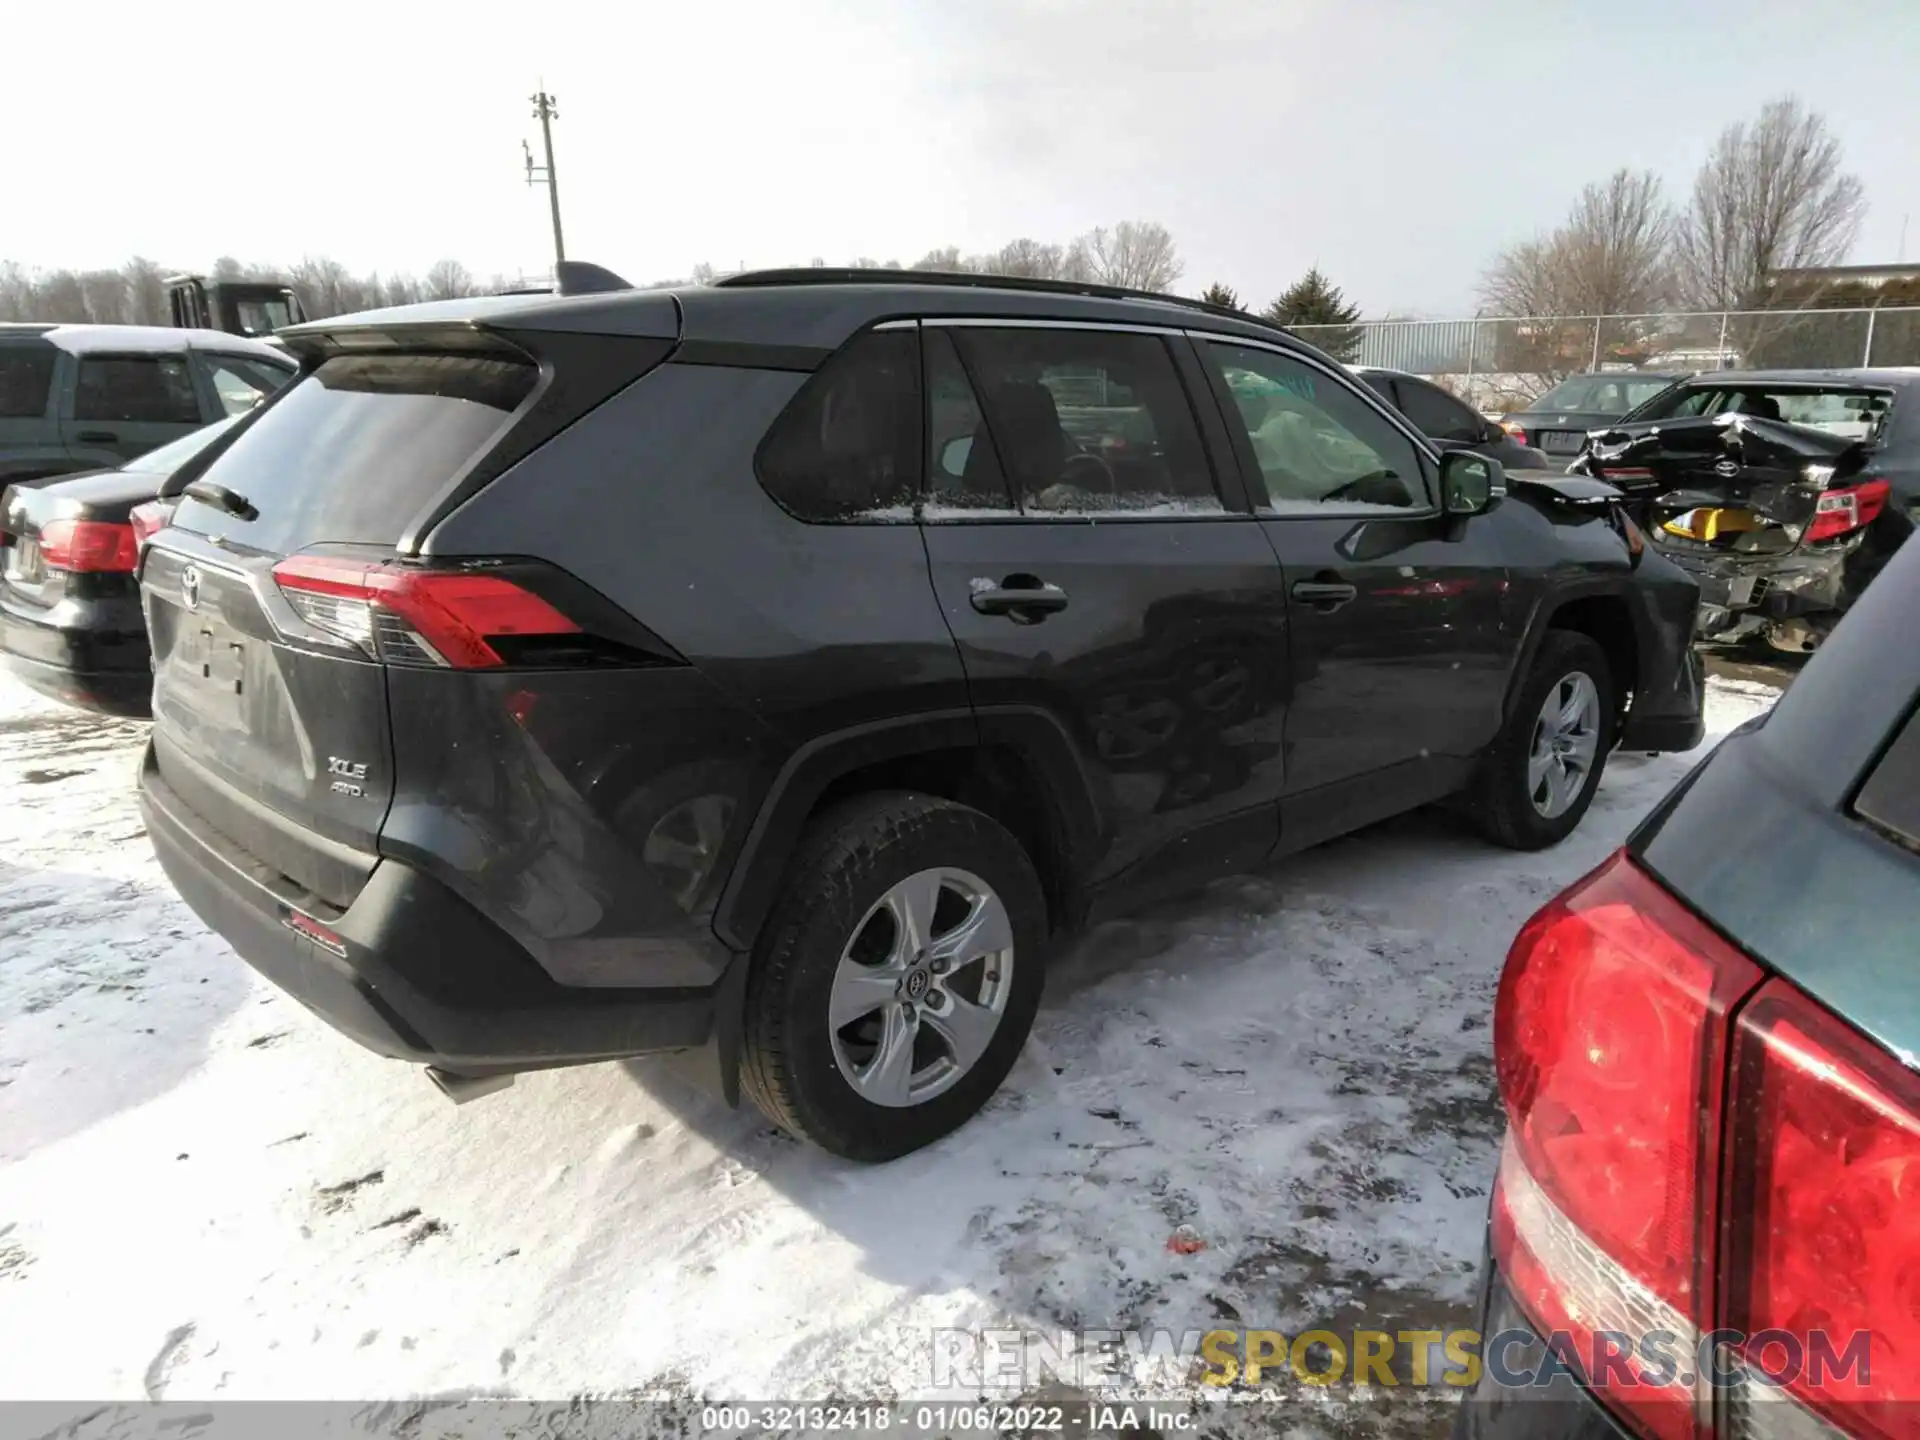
[
  {"x": 423, "y": 976},
  {"x": 1505, "y": 1404},
  {"x": 107, "y": 669},
  {"x": 1781, "y": 587},
  {"x": 1671, "y": 717}
]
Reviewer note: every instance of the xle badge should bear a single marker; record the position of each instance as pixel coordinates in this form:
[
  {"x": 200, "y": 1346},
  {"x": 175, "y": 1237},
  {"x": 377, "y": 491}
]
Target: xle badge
[{"x": 348, "y": 773}]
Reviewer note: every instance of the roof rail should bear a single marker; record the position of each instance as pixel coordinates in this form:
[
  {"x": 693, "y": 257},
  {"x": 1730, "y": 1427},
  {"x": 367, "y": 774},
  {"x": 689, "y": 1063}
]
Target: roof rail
[
  {"x": 848, "y": 275},
  {"x": 578, "y": 277}
]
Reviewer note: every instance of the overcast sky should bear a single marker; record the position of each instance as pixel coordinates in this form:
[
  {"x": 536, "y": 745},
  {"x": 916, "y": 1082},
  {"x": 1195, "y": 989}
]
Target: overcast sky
[{"x": 1398, "y": 143}]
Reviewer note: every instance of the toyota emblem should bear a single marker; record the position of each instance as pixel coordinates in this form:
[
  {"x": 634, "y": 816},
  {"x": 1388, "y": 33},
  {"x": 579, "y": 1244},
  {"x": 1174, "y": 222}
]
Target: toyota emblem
[
  {"x": 190, "y": 587},
  {"x": 1727, "y": 468}
]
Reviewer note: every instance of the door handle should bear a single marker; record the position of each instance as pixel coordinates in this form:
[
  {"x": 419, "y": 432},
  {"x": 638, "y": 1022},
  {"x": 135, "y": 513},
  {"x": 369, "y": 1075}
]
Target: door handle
[
  {"x": 99, "y": 437},
  {"x": 1323, "y": 595},
  {"x": 1025, "y": 602}
]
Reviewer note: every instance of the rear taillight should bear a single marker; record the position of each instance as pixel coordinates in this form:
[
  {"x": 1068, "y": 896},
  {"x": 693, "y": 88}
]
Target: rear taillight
[
  {"x": 1848, "y": 508},
  {"x": 150, "y": 519},
  {"x": 88, "y": 546},
  {"x": 1516, "y": 430},
  {"x": 1632, "y": 474},
  {"x": 406, "y": 615},
  {"x": 1823, "y": 1240},
  {"x": 1610, "y": 1038}
]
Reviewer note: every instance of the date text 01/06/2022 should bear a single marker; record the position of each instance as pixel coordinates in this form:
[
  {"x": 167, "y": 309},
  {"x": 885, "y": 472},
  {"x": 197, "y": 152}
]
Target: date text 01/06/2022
[{"x": 1085, "y": 1418}]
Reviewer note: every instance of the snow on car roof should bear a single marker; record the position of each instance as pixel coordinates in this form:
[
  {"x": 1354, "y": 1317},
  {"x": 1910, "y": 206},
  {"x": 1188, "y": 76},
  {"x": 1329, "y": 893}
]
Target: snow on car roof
[{"x": 94, "y": 339}]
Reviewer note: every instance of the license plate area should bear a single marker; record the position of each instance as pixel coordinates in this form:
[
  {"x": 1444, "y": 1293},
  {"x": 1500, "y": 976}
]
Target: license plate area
[{"x": 1562, "y": 442}]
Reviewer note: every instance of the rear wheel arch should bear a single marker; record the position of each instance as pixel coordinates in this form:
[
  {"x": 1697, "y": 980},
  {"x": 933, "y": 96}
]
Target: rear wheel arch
[{"x": 1016, "y": 764}]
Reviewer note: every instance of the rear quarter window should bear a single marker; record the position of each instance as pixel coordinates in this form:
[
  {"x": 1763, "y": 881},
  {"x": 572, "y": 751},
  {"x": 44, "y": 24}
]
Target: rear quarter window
[
  {"x": 848, "y": 446},
  {"x": 353, "y": 452},
  {"x": 1891, "y": 797}
]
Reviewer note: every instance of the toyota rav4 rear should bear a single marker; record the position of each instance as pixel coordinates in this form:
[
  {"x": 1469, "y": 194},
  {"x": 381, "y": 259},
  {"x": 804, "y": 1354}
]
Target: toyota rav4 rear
[{"x": 383, "y": 776}]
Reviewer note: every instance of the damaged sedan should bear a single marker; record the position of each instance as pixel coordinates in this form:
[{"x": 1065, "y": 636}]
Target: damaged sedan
[{"x": 1783, "y": 493}]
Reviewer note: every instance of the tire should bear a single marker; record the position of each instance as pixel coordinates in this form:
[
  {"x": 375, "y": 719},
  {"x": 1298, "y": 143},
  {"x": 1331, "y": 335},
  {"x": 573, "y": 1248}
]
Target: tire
[
  {"x": 839, "y": 904},
  {"x": 1502, "y": 799}
]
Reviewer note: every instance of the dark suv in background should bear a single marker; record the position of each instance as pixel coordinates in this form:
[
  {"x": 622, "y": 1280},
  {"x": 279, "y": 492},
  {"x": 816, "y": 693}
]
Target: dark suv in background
[
  {"x": 79, "y": 398},
  {"x": 780, "y": 664}
]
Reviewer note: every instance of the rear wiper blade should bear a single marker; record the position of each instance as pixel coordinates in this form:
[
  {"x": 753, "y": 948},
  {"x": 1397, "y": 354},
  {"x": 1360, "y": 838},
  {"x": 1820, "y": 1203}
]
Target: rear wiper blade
[{"x": 220, "y": 497}]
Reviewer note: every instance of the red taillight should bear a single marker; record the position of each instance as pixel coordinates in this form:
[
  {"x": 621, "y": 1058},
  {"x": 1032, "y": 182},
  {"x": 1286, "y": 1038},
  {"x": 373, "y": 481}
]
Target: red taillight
[
  {"x": 1610, "y": 1036},
  {"x": 92, "y": 546},
  {"x": 445, "y": 617},
  {"x": 149, "y": 519},
  {"x": 1824, "y": 1232},
  {"x": 1516, "y": 430},
  {"x": 1848, "y": 508},
  {"x": 1625, "y": 472}
]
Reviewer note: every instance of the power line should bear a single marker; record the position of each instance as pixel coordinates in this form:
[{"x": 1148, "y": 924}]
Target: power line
[{"x": 546, "y": 113}]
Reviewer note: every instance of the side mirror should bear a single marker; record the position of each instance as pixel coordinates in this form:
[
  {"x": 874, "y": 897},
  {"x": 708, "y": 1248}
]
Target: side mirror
[
  {"x": 1495, "y": 432},
  {"x": 1469, "y": 483}
]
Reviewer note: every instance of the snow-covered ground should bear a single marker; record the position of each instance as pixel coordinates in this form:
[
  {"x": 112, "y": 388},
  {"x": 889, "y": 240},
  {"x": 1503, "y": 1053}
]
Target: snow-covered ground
[{"x": 206, "y": 1194}]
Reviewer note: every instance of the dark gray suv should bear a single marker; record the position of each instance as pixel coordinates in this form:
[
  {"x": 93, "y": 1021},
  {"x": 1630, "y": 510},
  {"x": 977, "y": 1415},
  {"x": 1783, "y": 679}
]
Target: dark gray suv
[{"x": 780, "y": 665}]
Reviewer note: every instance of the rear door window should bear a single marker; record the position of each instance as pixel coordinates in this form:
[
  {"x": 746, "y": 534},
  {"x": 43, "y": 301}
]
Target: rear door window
[
  {"x": 26, "y": 379},
  {"x": 848, "y": 447},
  {"x": 133, "y": 389},
  {"x": 353, "y": 452},
  {"x": 1437, "y": 414},
  {"x": 1088, "y": 422}
]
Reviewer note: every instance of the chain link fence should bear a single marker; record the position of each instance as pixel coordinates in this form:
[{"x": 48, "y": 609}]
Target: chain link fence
[{"x": 1501, "y": 362}]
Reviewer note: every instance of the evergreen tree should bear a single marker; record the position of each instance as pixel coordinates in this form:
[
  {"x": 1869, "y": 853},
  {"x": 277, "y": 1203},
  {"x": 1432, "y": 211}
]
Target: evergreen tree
[
  {"x": 1221, "y": 295},
  {"x": 1313, "y": 300}
]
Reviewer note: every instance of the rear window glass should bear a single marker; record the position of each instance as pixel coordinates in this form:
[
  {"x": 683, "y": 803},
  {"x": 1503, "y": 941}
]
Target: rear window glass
[
  {"x": 353, "y": 452},
  {"x": 26, "y": 374},
  {"x": 1602, "y": 394},
  {"x": 1848, "y": 414}
]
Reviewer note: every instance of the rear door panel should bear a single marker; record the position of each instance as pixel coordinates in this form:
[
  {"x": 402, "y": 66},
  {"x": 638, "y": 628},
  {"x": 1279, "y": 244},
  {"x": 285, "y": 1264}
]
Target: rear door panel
[
  {"x": 122, "y": 406},
  {"x": 1163, "y": 643}
]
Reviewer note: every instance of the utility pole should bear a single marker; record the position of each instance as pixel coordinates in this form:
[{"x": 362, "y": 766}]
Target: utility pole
[{"x": 546, "y": 114}]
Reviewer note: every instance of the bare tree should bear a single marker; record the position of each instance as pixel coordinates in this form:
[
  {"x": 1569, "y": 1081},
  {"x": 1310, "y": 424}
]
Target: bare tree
[
  {"x": 1772, "y": 196},
  {"x": 449, "y": 280},
  {"x": 947, "y": 258},
  {"x": 1137, "y": 254},
  {"x": 146, "y": 292},
  {"x": 1032, "y": 259},
  {"x": 1610, "y": 256}
]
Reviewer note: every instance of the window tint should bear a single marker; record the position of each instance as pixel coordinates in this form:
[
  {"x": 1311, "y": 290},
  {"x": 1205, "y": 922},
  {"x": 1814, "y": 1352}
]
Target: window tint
[
  {"x": 355, "y": 450},
  {"x": 241, "y": 383},
  {"x": 26, "y": 375},
  {"x": 963, "y": 469},
  {"x": 848, "y": 446},
  {"x": 1436, "y": 413},
  {"x": 1089, "y": 421},
  {"x": 136, "y": 388},
  {"x": 1317, "y": 443}
]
